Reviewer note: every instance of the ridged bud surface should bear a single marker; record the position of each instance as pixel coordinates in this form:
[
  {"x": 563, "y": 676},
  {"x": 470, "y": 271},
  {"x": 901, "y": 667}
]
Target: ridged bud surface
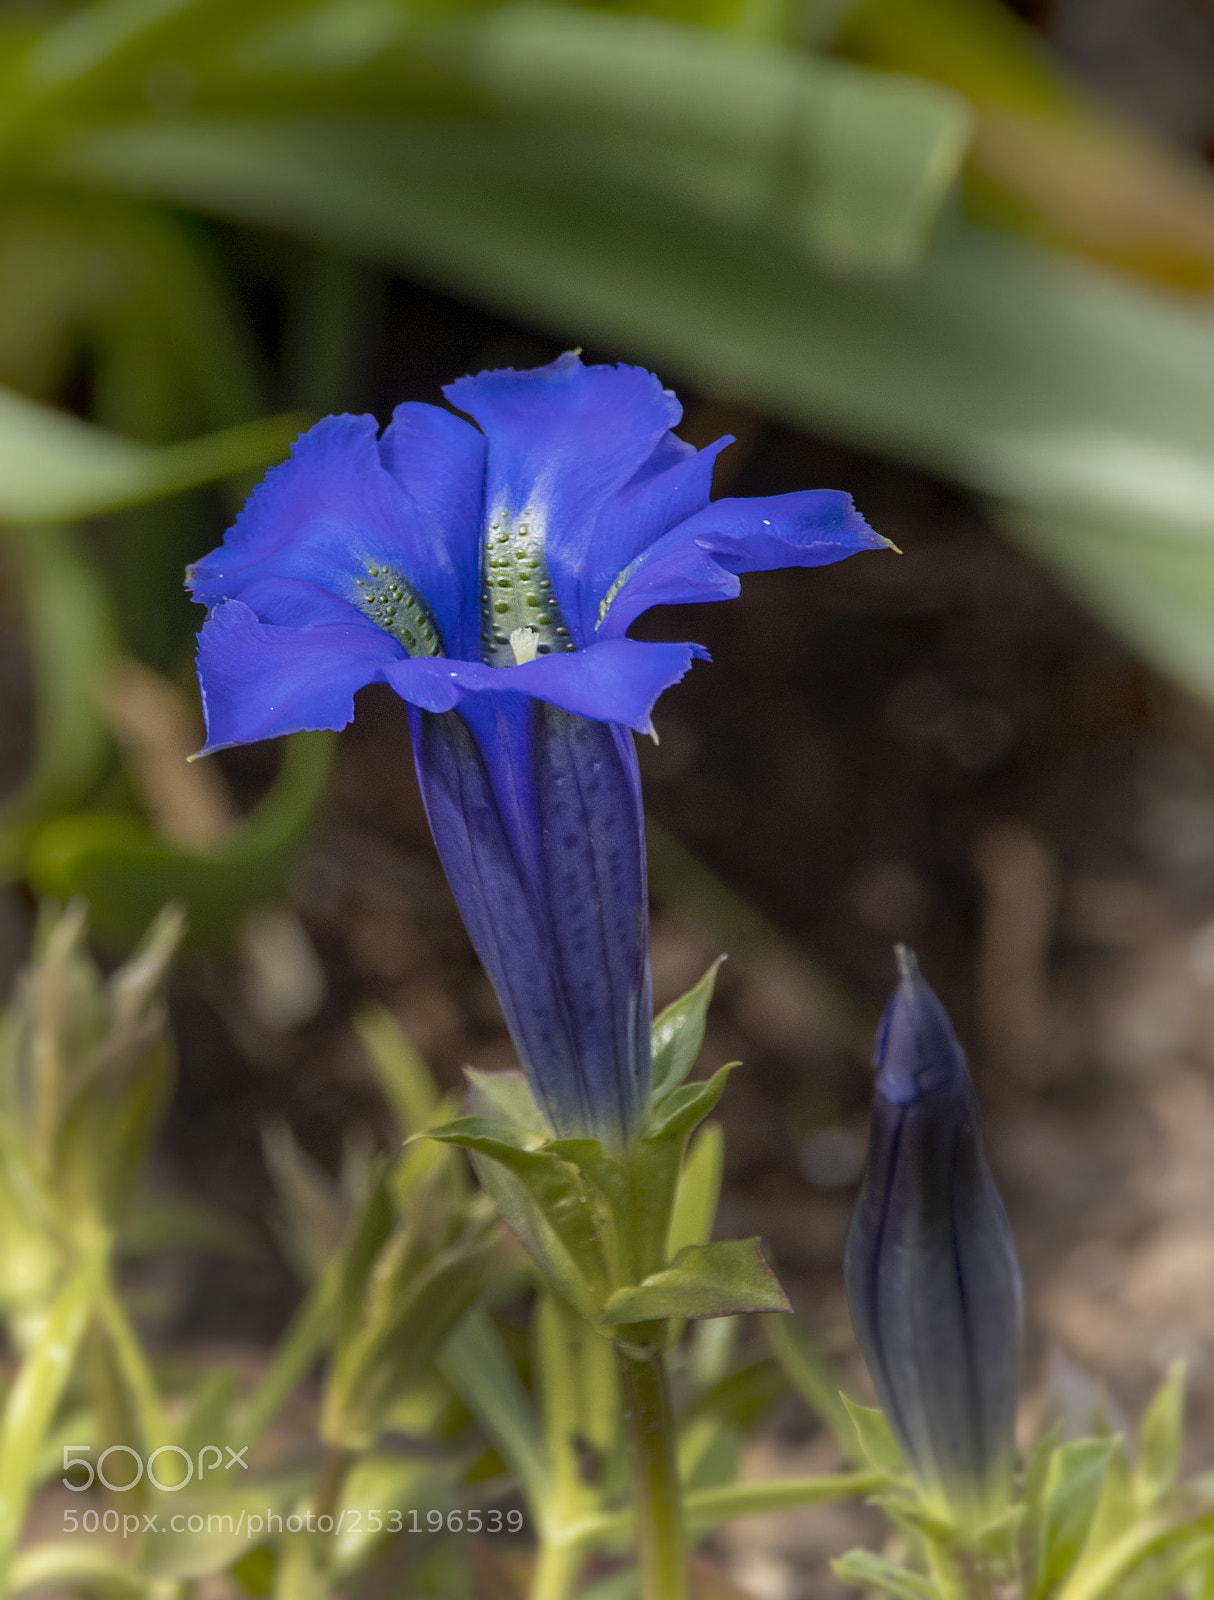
[{"x": 932, "y": 1278}]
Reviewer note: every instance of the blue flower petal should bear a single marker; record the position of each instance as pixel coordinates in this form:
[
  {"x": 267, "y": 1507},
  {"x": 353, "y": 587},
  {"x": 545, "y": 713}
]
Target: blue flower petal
[
  {"x": 324, "y": 517},
  {"x": 260, "y": 680},
  {"x": 809, "y": 529},
  {"x": 537, "y": 819},
  {"x": 291, "y": 603},
  {"x": 616, "y": 681},
  {"x": 564, "y": 441},
  {"x": 439, "y": 462}
]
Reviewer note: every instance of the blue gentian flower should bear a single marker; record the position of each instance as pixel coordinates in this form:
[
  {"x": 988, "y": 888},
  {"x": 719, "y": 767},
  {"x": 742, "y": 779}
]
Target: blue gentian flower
[
  {"x": 489, "y": 574},
  {"x": 932, "y": 1278}
]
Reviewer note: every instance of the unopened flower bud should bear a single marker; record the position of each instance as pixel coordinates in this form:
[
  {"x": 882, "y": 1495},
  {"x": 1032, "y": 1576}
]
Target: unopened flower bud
[{"x": 932, "y": 1278}]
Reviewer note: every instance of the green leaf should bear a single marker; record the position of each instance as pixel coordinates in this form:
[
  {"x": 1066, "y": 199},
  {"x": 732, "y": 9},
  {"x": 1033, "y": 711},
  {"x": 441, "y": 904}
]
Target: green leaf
[
  {"x": 678, "y": 1033},
  {"x": 1161, "y": 1438},
  {"x": 126, "y": 873},
  {"x": 73, "y": 643},
  {"x": 712, "y": 1280},
  {"x": 847, "y": 164},
  {"x": 403, "y": 1076},
  {"x": 62, "y": 1563},
  {"x": 876, "y": 1439},
  {"x": 1081, "y": 403},
  {"x": 1072, "y": 1492},
  {"x": 699, "y": 1190},
  {"x": 685, "y": 1107},
  {"x": 54, "y": 468},
  {"x": 475, "y": 1363},
  {"x": 34, "y": 1396},
  {"x": 547, "y": 1203},
  {"x": 865, "y": 1570}
]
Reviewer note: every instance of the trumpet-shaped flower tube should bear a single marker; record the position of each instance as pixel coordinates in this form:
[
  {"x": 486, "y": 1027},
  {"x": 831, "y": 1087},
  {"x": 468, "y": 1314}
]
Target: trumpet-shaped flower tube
[
  {"x": 488, "y": 574},
  {"x": 932, "y": 1278}
]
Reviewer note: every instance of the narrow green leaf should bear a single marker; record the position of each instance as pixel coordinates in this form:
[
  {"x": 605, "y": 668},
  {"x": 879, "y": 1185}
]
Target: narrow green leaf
[
  {"x": 685, "y": 1107},
  {"x": 875, "y": 1436},
  {"x": 1072, "y": 1492},
  {"x": 678, "y": 1033},
  {"x": 1080, "y": 402},
  {"x": 404, "y": 1077},
  {"x": 54, "y": 468},
  {"x": 1161, "y": 1437},
  {"x": 865, "y": 1570},
  {"x": 546, "y": 1202},
  {"x": 73, "y": 642},
  {"x": 849, "y": 164},
  {"x": 712, "y": 1280},
  {"x": 475, "y": 1363},
  {"x": 698, "y": 1192},
  {"x": 35, "y": 1394},
  {"x": 63, "y": 1563}
]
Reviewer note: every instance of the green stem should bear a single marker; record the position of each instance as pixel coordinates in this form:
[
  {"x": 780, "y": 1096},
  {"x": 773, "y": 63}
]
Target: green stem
[
  {"x": 661, "y": 1552},
  {"x": 557, "y": 1569},
  {"x": 133, "y": 1366}
]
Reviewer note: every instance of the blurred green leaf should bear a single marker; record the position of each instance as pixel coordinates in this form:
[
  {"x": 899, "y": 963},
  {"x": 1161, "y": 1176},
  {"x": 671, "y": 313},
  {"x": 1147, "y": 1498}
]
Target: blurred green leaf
[
  {"x": 475, "y": 1363},
  {"x": 53, "y": 467},
  {"x": 876, "y": 1437},
  {"x": 849, "y": 165},
  {"x": 125, "y": 872},
  {"x": 404, "y": 1077},
  {"x": 1081, "y": 404},
  {"x": 82, "y": 1564},
  {"x": 34, "y": 1397},
  {"x": 1072, "y": 1492},
  {"x": 865, "y": 1570},
  {"x": 72, "y": 640},
  {"x": 1161, "y": 1438}
]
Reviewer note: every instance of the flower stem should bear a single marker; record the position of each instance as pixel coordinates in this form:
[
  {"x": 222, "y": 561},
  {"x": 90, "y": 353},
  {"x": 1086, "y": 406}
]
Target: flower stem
[
  {"x": 661, "y": 1553},
  {"x": 557, "y": 1568}
]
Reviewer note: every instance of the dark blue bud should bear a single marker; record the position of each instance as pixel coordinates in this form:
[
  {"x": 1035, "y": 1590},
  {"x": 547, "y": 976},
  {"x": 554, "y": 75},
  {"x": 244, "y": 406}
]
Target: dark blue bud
[{"x": 932, "y": 1278}]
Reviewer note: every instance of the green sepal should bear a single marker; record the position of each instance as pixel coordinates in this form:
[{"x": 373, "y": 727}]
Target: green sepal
[
  {"x": 656, "y": 1162},
  {"x": 1073, "y": 1486},
  {"x": 707, "y": 1280},
  {"x": 875, "y": 1437},
  {"x": 865, "y": 1570},
  {"x": 1160, "y": 1439},
  {"x": 678, "y": 1034},
  {"x": 546, "y": 1201}
]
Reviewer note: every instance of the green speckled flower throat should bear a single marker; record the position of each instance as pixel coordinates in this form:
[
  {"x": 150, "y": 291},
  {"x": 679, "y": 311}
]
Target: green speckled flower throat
[{"x": 516, "y": 591}]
